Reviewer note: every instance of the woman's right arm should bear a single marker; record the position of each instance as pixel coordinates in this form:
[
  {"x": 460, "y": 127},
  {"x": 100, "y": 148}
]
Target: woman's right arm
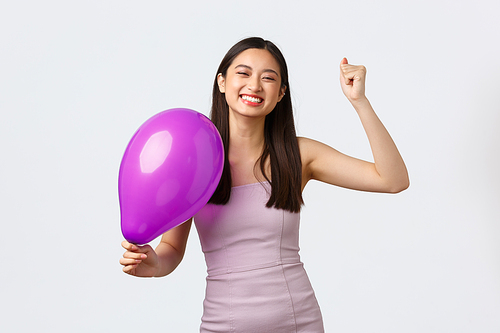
[{"x": 143, "y": 261}]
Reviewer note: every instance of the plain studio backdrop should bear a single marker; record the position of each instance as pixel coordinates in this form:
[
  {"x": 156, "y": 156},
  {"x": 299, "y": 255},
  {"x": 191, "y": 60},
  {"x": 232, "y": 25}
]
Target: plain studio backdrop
[{"x": 78, "y": 78}]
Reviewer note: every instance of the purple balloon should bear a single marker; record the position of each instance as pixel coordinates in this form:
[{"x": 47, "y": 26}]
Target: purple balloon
[{"x": 169, "y": 171}]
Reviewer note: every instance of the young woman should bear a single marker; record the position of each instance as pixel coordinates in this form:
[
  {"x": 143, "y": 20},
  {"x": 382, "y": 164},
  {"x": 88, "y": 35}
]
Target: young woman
[{"x": 249, "y": 229}]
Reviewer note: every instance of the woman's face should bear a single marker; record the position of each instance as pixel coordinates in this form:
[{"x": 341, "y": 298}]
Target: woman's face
[{"x": 252, "y": 84}]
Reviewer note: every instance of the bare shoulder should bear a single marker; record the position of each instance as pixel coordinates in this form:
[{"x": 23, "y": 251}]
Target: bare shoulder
[
  {"x": 305, "y": 157},
  {"x": 304, "y": 141},
  {"x": 305, "y": 144},
  {"x": 310, "y": 151},
  {"x": 309, "y": 148}
]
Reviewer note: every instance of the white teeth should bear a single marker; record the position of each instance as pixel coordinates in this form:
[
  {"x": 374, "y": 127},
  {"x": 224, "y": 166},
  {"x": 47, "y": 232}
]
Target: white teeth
[{"x": 251, "y": 99}]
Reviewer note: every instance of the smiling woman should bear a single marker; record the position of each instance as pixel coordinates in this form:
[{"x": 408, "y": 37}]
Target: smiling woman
[
  {"x": 257, "y": 68},
  {"x": 249, "y": 229},
  {"x": 253, "y": 82}
]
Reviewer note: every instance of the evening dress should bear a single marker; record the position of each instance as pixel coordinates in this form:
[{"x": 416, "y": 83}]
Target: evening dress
[{"x": 256, "y": 281}]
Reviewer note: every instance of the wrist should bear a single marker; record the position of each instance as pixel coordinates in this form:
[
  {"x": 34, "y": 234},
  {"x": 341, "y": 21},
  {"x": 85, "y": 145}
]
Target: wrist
[{"x": 360, "y": 103}]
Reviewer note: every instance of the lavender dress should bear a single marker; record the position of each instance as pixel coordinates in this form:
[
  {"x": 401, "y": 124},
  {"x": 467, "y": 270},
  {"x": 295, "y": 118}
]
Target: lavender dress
[{"x": 256, "y": 281}]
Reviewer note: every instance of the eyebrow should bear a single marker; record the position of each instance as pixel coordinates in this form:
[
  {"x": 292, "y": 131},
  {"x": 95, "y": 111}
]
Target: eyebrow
[{"x": 250, "y": 68}]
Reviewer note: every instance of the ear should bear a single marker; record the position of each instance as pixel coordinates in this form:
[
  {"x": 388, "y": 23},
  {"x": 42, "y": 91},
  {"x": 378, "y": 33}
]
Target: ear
[
  {"x": 221, "y": 82},
  {"x": 282, "y": 93}
]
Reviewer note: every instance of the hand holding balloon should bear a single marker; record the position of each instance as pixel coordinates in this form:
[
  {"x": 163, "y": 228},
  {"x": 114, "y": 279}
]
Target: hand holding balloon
[{"x": 141, "y": 261}]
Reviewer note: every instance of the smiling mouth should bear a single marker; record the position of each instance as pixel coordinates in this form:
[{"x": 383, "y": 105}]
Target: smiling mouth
[{"x": 251, "y": 99}]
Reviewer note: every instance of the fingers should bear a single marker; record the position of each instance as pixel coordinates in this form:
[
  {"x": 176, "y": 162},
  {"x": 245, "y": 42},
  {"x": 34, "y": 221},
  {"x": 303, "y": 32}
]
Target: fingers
[
  {"x": 129, "y": 246},
  {"x": 133, "y": 256},
  {"x": 131, "y": 260},
  {"x": 135, "y": 248},
  {"x": 351, "y": 73},
  {"x": 129, "y": 264},
  {"x": 130, "y": 269},
  {"x": 343, "y": 77}
]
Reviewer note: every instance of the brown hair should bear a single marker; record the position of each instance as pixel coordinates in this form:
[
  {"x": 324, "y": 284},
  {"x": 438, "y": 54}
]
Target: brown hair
[{"x": 280, "y": 139}]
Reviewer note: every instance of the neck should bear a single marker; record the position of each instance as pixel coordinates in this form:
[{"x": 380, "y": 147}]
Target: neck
[{"x": 246, "y": 138}]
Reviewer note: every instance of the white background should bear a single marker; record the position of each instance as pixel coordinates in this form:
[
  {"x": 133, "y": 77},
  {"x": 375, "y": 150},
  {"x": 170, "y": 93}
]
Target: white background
[{"x": 78, "y": 78}]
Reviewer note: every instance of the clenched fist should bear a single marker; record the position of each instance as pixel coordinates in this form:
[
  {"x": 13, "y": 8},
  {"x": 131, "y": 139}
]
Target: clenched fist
[{"x": 352, "y": 80}]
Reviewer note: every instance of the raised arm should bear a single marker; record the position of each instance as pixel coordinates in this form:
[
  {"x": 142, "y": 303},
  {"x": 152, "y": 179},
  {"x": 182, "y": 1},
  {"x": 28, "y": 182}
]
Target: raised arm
[
  {"x": 388, "y": 171},
  {"x": 143, "y": 261}
]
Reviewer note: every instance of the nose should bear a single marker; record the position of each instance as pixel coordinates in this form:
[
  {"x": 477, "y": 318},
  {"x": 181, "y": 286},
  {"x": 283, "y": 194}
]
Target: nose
[{"x": 254, "y": 84}]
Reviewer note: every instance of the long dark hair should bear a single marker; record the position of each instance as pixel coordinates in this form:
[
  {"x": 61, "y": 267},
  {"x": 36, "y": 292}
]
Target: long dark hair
[{"x": 280, "y": 139}]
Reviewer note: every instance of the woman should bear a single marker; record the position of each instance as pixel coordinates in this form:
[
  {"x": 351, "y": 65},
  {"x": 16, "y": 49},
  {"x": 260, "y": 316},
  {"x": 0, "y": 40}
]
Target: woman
[{"x": 249, "y": 229}]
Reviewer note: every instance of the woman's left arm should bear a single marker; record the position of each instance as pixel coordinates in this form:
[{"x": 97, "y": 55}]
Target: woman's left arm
[{"x": 388, "y": 172}]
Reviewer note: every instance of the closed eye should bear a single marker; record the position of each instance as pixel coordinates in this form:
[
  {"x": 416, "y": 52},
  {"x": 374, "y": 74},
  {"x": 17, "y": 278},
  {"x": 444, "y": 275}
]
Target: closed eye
[{"x": 242, "y": 73}]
